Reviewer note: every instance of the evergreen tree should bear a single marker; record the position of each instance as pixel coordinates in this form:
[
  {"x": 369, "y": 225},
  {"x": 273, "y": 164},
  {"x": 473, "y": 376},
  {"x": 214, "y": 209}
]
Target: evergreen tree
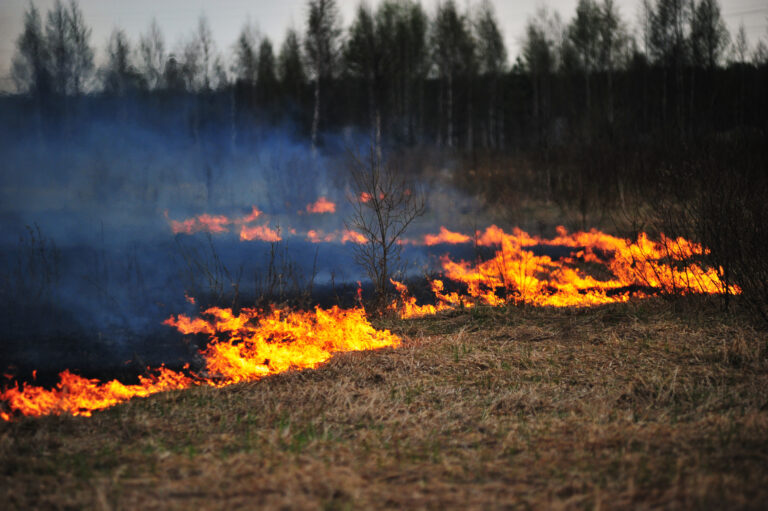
[
  {"x": 266, "y": 76},
  {"x": 246, "y": 60},
  {"x": 363, "y": 59},
  {"x": 584, "y": 35},
  {"x": 709, "y": 35},
  {"x": 492, "y": 59},
  {"x": 413, "y": 62},
  {"x": 29, "y": 69},
  {"x": 152, "y": 56},
  {"x": 669, "y": 49},
  {"x": 119, "y": 75},
  {"x": 58, "y": 44},
  {"x": 322, "y": 49},
  {"x": 540, "y": 61},
  {"x": 453, "y": 53},
  {"x": 290, "y": 67},
  {"x": 82, "y": 52},
  {"x": 612, "y": 41}
]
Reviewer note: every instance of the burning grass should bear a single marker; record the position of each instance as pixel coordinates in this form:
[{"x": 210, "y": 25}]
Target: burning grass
[
  {"x": 641, "y": 404},
  {"x": 243, "y": 347},
  {"x": 516, "y": 274}
]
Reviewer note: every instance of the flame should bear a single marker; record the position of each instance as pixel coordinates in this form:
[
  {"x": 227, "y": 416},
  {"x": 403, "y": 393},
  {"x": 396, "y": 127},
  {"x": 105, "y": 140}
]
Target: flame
[
  {"x": 345, "y": 236},
  {"x": 353, "y": 237},
  {"x": 243, "y": 347},
  {"x": 406, "y": 307},
  {"x": 252, "y": 344},
  {"x": 259, "y": 232},
  {"x": 215, "y": 224},
  {"x": 314, "y": 236},
  {"x": 81, "y": 396},
  {"x": 322, "y": 205},
  {"x": 253, "y": 215},
  {"x": 446, "y": 236},
  {"x": 515, "y": 274},
  {"x": 249, "y": 346}
]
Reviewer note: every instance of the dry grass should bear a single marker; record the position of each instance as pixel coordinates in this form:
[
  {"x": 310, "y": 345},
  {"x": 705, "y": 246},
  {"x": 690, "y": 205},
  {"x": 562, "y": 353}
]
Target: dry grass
[{"x": 624, "y": 406}]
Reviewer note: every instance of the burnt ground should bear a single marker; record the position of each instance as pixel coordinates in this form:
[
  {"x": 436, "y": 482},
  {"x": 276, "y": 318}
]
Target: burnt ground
[{"x": 647, "y": 404}]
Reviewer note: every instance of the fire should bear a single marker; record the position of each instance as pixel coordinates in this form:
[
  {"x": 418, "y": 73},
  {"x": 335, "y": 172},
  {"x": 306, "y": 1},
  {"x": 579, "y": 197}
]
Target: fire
[
  {"x": 353, "y": 237},
  {"x": 215, "y": 224},
  {"x": 259, "y": 232},
  {"x": 250, "y": 345},
  {"x": 253, "y": 215},
  {"x": 322, "y": 205},
  {"x": 494, "y": 235},
  {"x": 406, "y": 307},
  {"x": 81, "y": 396},
  {"x": 345, "y": 236},
  {"x": 314, "y": 236},
  {"x": 515, "y": 274},
  {"x": 446, "y": 236},
  {"x": 243, "y": 347}
]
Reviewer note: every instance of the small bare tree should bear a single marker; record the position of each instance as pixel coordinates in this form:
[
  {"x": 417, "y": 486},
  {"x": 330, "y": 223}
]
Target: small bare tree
[{"x": 384, "y": 205}]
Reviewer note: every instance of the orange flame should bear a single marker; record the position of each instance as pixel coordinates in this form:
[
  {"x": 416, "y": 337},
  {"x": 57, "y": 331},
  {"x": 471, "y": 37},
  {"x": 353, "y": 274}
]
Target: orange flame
[
  {"x": 254, "y": 346},
  {"x": 81, "y": 396},
  {"x": 446, "y": 236},
  {"x": 353, "y": 237},
  {"x": 259, "y": 232},
  {"x": 322, "y": 205},
  {"x": 319, "y": 237},
  {"x": 407, "y": 307},
  {"x": 253, "y": 215},
  {"x": 215, "y": 224},
  {"x": 242, "y": 347},
  {"x": 516, "y": 275}
]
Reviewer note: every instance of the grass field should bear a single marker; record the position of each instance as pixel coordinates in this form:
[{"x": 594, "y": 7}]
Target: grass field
[{"x": 643, "y": 405}]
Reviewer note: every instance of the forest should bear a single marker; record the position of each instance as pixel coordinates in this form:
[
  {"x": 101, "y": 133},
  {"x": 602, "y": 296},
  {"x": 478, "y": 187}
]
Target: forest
[{"x": 443, "y": 80}]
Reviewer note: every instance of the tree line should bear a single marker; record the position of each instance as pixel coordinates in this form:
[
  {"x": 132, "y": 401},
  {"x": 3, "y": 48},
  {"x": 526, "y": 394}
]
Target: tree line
[{"x": 407, "y": 77}]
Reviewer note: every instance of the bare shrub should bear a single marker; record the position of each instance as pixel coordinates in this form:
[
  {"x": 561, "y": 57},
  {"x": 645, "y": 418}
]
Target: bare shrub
[
  {"x": 384, "y": 204},
  {"x": 717, "y": 195}
]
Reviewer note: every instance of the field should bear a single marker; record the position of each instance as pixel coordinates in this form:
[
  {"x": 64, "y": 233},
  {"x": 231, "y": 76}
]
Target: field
[{"x": 647, "y": 404}]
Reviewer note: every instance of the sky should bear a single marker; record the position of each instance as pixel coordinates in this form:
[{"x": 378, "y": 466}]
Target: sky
[{"x": 177, "y": 19}]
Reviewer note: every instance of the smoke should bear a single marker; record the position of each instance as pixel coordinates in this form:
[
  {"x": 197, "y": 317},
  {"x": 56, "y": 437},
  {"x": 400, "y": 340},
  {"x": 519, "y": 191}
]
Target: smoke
[{"x": 89, "y": 203}]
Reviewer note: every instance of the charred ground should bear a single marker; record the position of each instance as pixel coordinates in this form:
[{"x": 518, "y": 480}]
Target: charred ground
[{"x": 648, "y": 404}]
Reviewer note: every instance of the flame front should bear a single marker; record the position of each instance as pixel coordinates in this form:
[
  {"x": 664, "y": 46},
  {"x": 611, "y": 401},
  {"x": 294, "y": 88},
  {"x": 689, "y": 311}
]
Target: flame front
[
  {"x": 81, "y": 396},
  {"x": 259, "y": 232},
  {"x": 242, "y": 347},
  {"x": 250, "y": 345},
  {"x": 515, "y": 274}
]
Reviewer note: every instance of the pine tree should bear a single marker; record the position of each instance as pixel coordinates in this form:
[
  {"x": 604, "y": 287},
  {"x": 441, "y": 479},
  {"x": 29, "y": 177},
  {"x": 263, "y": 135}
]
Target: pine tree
[
  {"x": 322, "y": 48},
  {"x": 290, "y": 67},
  {"x": 152, "y": 56},
  {"x": 492, "y": 58},
  {"x": 30, "y": 63}
]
